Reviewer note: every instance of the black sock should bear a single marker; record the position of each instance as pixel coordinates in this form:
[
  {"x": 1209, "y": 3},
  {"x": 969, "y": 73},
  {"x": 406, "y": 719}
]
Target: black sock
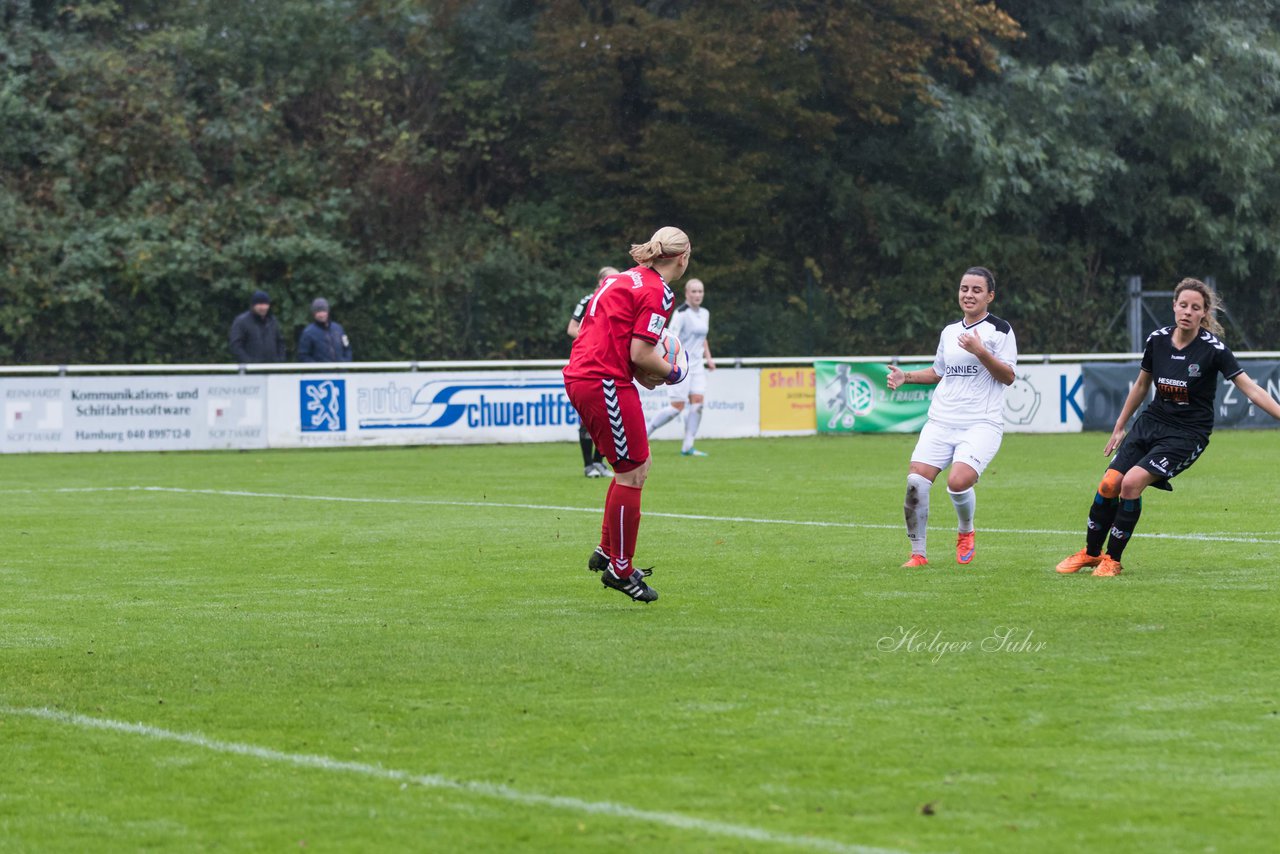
[
  {"x": 1101, "y": 515},
  {"x": 1122, "y": 528},
  {"x": 584, "y": 441}
]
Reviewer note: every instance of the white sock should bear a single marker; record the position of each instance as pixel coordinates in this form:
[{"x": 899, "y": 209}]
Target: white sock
[
  {"x": 691, "y": 425},
  {"x": 662, "y": 417},
  {"x": 916, "y": 509},
  {"x": 965, "y": 503}
]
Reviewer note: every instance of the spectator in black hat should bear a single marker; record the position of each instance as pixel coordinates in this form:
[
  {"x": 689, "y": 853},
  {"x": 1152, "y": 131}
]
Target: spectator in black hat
[
  {"x": 255, "y": 335},
  {"x": 324, "y": 340}
]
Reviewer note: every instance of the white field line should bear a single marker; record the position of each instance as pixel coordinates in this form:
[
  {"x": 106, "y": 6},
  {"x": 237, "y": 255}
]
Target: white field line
[
  {"x": 1222, "y": 537},
  {"x": 435, "y": 781}
]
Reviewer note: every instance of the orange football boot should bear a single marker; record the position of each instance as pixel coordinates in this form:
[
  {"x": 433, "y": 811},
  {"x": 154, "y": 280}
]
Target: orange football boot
[
  {"x": 964, "y": 547},
  {"x": 917, "y": 560},
  {"x": 1078, "y": 561},
  {"x": 1108, "y": 568}
]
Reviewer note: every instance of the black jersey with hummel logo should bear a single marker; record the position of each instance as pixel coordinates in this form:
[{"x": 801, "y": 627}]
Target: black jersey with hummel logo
[
  {"x": 581, "y": 308},
  {"x": 1186, "y": 380}
]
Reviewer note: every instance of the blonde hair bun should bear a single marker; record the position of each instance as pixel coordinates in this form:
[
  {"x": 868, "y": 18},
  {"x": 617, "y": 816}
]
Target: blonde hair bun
[{"x": 667, "y": 242}]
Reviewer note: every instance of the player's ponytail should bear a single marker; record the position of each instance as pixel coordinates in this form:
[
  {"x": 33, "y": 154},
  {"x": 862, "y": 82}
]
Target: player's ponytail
[
  {"x": 1212, "y": 302},
  {"x": 667, "y": 242}
]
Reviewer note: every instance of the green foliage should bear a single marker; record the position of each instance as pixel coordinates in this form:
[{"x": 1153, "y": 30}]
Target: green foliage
[
  {"x": 652, "y": 115},
  {"x": 165, "y": 162},
  {"x": 1128, "y": 138},
  {"x": 450, "y": 174}
]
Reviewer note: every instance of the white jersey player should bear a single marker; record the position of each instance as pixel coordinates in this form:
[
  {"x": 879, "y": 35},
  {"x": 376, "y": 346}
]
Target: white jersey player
[
  {"x": 973, "y": 366},
  {"x": 690, "y": 323}
]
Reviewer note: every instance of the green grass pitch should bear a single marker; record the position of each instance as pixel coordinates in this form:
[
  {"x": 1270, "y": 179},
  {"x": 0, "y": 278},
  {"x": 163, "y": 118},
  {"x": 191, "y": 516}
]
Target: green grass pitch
[{"x": 402, "y": 650}]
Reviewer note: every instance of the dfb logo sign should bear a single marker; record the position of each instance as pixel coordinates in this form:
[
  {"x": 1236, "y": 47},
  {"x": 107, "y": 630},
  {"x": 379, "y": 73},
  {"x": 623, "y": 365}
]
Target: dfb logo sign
[{"x": 323, "y": 405}]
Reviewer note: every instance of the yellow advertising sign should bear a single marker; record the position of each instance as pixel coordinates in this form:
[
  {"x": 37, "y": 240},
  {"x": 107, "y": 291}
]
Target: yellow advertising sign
[{"x": 786, "y": 399}]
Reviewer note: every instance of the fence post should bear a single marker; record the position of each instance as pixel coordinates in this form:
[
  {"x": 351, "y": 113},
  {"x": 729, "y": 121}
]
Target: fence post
[{"x": 1136, "y": 339}]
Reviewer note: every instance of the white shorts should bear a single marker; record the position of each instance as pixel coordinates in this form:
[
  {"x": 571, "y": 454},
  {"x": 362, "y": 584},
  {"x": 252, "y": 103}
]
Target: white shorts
[
  {"x": 695, "y": 384},
  {"x": 974, "y": 446}
]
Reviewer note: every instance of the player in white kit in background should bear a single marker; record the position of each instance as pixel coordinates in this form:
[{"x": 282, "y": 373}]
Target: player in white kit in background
[
  {"x": 690, "y": 323},
  {"x": 973, "y": 366}
]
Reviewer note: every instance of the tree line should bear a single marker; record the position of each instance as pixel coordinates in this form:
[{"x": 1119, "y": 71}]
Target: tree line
[{"x": 451, "y": 174}]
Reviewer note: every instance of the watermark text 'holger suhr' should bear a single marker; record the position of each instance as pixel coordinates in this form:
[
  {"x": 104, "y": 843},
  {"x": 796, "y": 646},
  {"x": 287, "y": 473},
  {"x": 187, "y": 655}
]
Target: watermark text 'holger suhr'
[{"x": 937, "y": 645}]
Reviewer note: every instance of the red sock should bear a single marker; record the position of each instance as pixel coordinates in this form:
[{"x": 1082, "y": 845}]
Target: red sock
[
  {"x": 605, "y": 544},
  {"x": 622, "y": 510}
]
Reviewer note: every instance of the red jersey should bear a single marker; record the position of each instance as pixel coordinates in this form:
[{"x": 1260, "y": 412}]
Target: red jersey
[{"x": 633, "y": 304}]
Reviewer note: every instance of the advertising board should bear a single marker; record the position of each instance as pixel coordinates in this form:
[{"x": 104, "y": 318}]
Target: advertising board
[{"x": 133, "y": 413}]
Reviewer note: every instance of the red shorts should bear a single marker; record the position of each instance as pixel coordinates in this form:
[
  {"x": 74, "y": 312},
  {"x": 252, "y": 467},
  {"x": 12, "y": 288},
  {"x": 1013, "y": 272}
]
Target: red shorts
[{"x": 612, "y": 414}]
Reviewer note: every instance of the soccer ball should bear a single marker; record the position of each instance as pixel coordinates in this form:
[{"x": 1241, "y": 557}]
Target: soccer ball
[{"x": 673, "y": 353}]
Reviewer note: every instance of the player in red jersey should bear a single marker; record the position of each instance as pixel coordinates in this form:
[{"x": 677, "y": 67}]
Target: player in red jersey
[{"x": 616, "y": 343}]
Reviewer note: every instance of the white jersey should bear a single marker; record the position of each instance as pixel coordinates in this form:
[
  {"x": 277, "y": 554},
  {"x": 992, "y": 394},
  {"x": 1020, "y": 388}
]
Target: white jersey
[
  {"x": 968, "y": 394},
  {"x": 691, "y": 325}
]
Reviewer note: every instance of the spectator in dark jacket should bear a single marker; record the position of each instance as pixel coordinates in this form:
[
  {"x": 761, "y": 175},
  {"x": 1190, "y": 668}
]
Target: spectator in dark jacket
[
  {"x": 255, "y": 335},
  {"x": 324, "y": 340}
]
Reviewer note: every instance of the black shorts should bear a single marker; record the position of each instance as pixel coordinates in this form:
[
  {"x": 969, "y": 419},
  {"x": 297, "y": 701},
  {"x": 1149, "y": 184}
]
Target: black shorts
[{"x": 1163, "y": 450}]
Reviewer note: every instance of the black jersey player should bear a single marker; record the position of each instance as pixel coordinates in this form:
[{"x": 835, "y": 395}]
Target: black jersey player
[
  {"x": 592, "y": 459},
  {"x": 1183, "y": 361}
]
